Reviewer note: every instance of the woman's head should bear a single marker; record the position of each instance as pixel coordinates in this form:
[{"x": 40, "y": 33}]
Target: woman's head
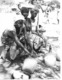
[
  {"x": 34, "y": 13},
  {"x": 18, "y": 25},
  {"x": 25, "y": 11}
]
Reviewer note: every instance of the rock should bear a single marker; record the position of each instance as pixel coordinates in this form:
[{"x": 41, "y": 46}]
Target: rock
[
  {"x": 19, "y": 75},
  {"x": 50, "y": 60},
  {"x": 4, "y": 76},
  {"x": 2, "y": 68},
  {"x": 39, "y": 59},
  {"x": 7, "y": 76},
  {"x": 35, "y": 79},
  {"x": 3, "y": 73},
  {"x": 24, "y": 77},
  {"x": 48, "y": 71},
  {"x": 1, "y": 61}
]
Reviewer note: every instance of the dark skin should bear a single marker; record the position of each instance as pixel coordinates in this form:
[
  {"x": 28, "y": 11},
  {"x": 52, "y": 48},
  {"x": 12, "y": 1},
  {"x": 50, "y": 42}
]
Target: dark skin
[
  {"x": 28, "y": 22},
  {"x": 28, "y": 25},
  {"x": 25, "y": 13},
  {"x": 34, "y": 14},
  {"x": 19, "y": 27},
  {"x": 12, "y": 35}
]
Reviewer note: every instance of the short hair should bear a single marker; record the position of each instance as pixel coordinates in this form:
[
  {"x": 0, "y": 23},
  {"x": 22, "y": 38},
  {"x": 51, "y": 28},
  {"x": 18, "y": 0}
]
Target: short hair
[
  {"x": 18, "y": 23},
  {"x": 34, "y": 12},
  {"x": 24, "y": 10}
]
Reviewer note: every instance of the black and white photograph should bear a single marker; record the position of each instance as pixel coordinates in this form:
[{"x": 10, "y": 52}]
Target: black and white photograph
[{"x": 30, "y": 40}]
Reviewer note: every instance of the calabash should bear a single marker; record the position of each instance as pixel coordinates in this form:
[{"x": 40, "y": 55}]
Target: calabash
[
  {"x": 50, "y": 59},
  {"x": 30, "y": 65}
]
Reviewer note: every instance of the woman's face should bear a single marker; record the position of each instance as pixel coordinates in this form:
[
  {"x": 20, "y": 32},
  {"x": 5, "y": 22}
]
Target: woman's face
[
  {"x": 25, "y": 12},
  {"x": 34, "y": 13}
]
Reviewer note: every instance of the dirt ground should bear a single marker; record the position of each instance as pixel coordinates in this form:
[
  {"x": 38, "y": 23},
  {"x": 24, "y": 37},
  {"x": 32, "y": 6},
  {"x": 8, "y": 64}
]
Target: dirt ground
[{"x": 7, "y": 19}]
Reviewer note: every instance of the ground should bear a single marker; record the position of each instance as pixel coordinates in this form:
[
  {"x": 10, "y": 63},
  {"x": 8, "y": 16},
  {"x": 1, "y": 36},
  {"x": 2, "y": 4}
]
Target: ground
[{"x": 7, "y": 19}]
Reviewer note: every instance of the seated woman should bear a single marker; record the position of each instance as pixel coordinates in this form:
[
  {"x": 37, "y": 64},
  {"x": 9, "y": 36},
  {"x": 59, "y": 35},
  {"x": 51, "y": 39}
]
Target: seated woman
[
  {"x": 12, "y": 46},
  {"x": 7, "y": 40}
]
